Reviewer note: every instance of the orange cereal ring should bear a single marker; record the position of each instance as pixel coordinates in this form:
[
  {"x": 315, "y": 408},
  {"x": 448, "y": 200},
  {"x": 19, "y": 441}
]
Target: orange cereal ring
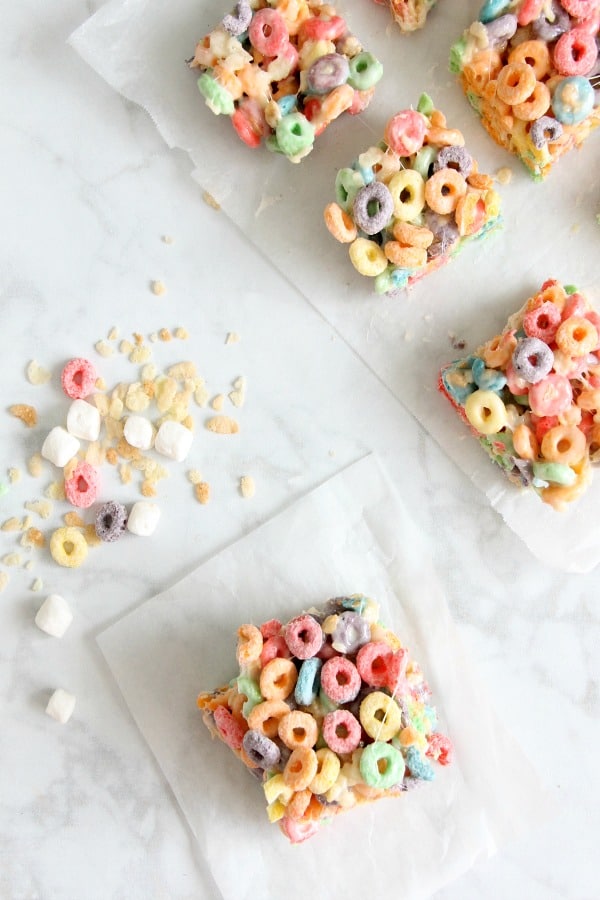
[
  {"x": 515, "y": 83},
  {"x": 470, "y": 213},
  {"x": 589, "y": 400},
  {"x": 536, "y": 105},
  {"x": 485, "y": 66},
  {"x": 445, "y": 137},
  {"x": 443, "y": 190},
  {"x": 499, "y": 350},
  {"x": 577, "y": 336},
  {"x": 564, "y": 444},
  {"x": 300, "y": 768},
  {"x": 412, "y": 235},
  {"x": 339, "y": 223},
  {"x": 559, "y": 496},
  {"x": 250, "y": 642},
  {"x": 298, "y": 804},
  {"x": 480, "y": 181},
  {"x": 525, "y": 442},
  {"x": 278, "y": 679},
  {"x": 535, "y": 54},
  {"x": 298, "y": 729},
  {"x": 265, "y": 717},
  {"x": 437, "y": 118},
  {"x": 405, "y": 257}
]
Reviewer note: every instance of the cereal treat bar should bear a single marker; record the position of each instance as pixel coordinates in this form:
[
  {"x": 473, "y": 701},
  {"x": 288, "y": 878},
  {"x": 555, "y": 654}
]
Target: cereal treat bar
[
  {"x": 283, "y": 72},
  {"x": 531, "y": 394},
  {"x": 530, "y": 68},
  {"x": 410, "y": 15},
  {"x": 408, "y": 205},
  {"x": 328, "y": 712}
]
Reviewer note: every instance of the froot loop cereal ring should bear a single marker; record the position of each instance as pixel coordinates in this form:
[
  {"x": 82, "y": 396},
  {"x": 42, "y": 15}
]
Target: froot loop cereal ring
[
  {"x": 272, "y": 647},
  {"x": 380, "y": 716},
  {"x": 111, "y": 521},
  {"x": 485, "y": 411},
  {"x": 577, "y": 336},
  {"x": 535, "y": 106},
  {"x": 525, "y": 442},
  {"x": 532, "y": 359},
  {"x": 268, "y": 32},
  {"x": 250, "y": 644},
  {"x": 262, "y": 750},
  {"x": 82, "y": 486},
  {"x": 564, "y": 444},
  {"x": 341, "y": 731},
  {"x": 440, "y": 748},
  {"x": 364, "y": 71},
  {"x": 78, "y": 379},
  {"x": 444, "y": 189},
  {"x": 237, "y": 22},
  {"x": 278, "y": 679},
  {"x": 454, "y": 157},
  {"x": 516, "y": 82},
  {"x": 405, "y": 257},
  {"x": 575, "y": 52},
  {"x": 381, "y": 765},
  {"x": 535, "y": 54},
  {"x": 340, "y": 679},
  {"x": 328, "y": 769},
  {"x": 579, "y": 9},
  {"x": 301, "y": 768},
  {"x": 298, "y": 729},
  {"x": 410, "y": 15},
  {"x": 327, "y": 73},
  {"x": 304, "y": 636},
  {"x": 417, "y": 765},
  {"x": 372, "y": 662},
  {"x": 373, "y": 207},
  {"x": 231, "y": 730},
  {"x": 265, "y": 717},
  {"x": 309, "y": 681},
  {"x": 413, "y": 235},
  {"x": 248, "y": 688},
  {"x": 407, "y": 188},
  {"x": 405, "y": 132},
  {"x": 573, "y": 100},
  {"x": 542, "y": 322},
  {"x": 350, "y": 632},
  {"x": 294, "y": 134},
  {"x": 68, "y": 547},
  {"x": 367, "y": 257},
  {"x": 499, "y": 350},
  {"x": 551, "y": 396}
]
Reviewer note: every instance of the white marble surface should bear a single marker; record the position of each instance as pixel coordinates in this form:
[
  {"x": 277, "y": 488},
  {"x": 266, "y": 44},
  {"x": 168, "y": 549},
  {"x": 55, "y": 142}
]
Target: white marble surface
[{"x": 89, "y": 189}]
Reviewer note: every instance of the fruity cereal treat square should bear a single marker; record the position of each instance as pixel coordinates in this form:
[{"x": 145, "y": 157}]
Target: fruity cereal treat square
[
  {"x": 328, "y": 711},
  {"x": 531, "y": 395},
  {"x": 283, "y": 72},
  {"x": 411, "y": 203},
  {"x": 531, "y": 71},
  {"x": 409, "y": 15}
]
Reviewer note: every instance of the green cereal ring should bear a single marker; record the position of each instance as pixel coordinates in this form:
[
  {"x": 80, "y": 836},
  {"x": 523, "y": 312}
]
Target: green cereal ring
[
  {"x": 370, "y": 770},
  {"x": 217, "y": 98},
  {"x": 294, "y": 134},
  {"x": 348, "y": 183},
  {"x": 365, "y": 71},
  {"x": 423, "y": 160},
  {"x": 250, "y": 689},
  {"x": 556, "y": 473}
]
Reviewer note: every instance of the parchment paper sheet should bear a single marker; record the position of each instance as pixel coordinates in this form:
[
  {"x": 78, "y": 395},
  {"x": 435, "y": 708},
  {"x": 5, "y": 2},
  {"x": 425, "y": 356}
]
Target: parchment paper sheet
[
  {"x": 139, "y": 47},
  {"x": 352, "y": 534}
]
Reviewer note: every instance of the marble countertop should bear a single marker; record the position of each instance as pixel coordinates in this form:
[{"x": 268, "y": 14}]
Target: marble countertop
[{"x": 90, "y": 192}]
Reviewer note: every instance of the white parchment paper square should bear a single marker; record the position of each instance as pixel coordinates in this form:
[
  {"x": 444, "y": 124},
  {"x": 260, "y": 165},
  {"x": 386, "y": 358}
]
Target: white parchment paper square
[{"x": 352, "y": 534}]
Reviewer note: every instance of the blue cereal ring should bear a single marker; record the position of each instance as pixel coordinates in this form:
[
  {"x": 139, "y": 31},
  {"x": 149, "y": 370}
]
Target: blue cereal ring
[
  {"x": 309, "y": 681},
  {"x": 370, "y": 770},
  {"x": 573, "y": 100},
  {"x": 400, "y": 277},
  {"x": 418, "y": 766},
  {"x": 492, "y": 9},
  {"x": 287, "y": 104},
  {"x": 487, "y": 379}
]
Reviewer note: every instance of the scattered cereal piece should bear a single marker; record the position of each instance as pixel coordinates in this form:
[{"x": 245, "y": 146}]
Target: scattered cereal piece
[
  {"x": 111, "y": 521},
  {"x": 37, "y": 585},
  {"x": 54, "y": 616},
  {"x": 126, "y": 347},
  {"x": 149, "y": 372},
  {"x": 14, "y": 475},
  {"x": 202, "y": 492},
  {"x": 210, "y": 200},
  {"x": 194, "y": 476},
  {"x": 201, "y": 395},
  {"x": 164, "y": 334},
  {"x": 158, "y": 288},
  {"x": 148, "y": 488},
  {"x": 166, "y": 389},
  {"x": 167, "y": 239},
  {"x": 232, "y": 338},
  {"x": 136, "y": 399},
  {"x": 237, "y": 398},
  {"x": 504, "y": 175},
  {"x": 100, "y": 384},
  {"x": 36, "y": 374},
  {"x": 112, "y": 457},
  {"x": 247, "y": 486},
  {"x": 153, "y": 337},
  {"x": 73, "y": 520},
  {"x": 125, "y": 473},
  {"x": 126, "y": 451},
  {"x": 3, "y": 580},
  {"x": 27, "y": 414},
  {"x": 188, "y": 423},
  {"x": 55, "y": 490},
  {"x": 95, "y": 455},
  {"x": 140, "y": 354},
  {"x": 12, "y": 524},
  {"x": 91, "y": 538},
  {"x": 12, "y": 559},
  {"x": 104, "y": 349},
  {"x": 101, "y": 403},
  {"x": 61, "y": 705},
  {"x": 181, "y": 334},
  {"x": 28, "y": 565},
  {"x": 182, "y": 371},
  {"x": 222, "y": 425},
  {"x": 33, "y": 537},
  {"x": 42, "y": 507},
  {"x": 113, "y": 334},
  {"x": 35, "y": 465},
  {"x": 217, "y": 402},
  {"x": 78, "y": 378}
]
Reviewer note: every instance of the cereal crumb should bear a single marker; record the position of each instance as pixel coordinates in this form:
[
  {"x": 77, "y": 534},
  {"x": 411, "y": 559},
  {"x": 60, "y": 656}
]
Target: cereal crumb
[
  {"x": 12, "y": 524},
  {"x": 149, "y": 372},
  {"x": 126, "y": 347},
  {"x": 182, "y": 334},
  {"x": 153, "y": 337},
  {"x": 35, "y": 465},
  {"x": 504, "y": 175},
  {"x": 33, "y": 537},
  {"x": 100, "y": 384},
  {"x": 164, "y": 334},
  {"x": 247, "y": 486},
  {"x": 167, "y": 239},
  {"x": 12, "y": 559},
  {"x": 148, "y": 489},
  {"x": 232, "y": 338},
  {"x": 95, "y": 454},
  {"x": 158, "y": 288},
  {"x": 210, "y": 200},
  {"x": 42, "y": 507},
  {"x": 217, "y": 402},
  {"x": 91, "y": 538},
  {"x": 140, "y": 354},
  {"x": 36, "y": 374},
  {"x": 201, "y": 394},
  {"x": 202, "y": 492},
  {"x": 73, "y": 520},
  {"x": 222, "y": 425},
  {"x": 237, "y": 398},
  {"x": 182, "y": 371},
  {"x": 3, "y": 580},
  {"x": 37, "y": 584},
  {"x": 194, "y": 476},
  {"x": 14, "y": 475},
  {"x": 55, "y": 490},
  {"x": 113, "y": 334},
  {"x": 27, "y": 414},
  {"x": 125, "y": 473},
  {"x": 103, "y": 348},
  {"x": 112, "y": 456},
  {"x": 29, "y": 565}
]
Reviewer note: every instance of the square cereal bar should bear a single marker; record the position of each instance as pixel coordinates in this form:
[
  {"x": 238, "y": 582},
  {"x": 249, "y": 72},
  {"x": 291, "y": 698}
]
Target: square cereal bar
[
  {"x": 283, "y": 72},
  {"x": 410, "y": 15},
  {"x": 411, "y": 203},
  {"x": 328, "y": 711},
  {"x": 531, "y": 395},
  {"x": 531, "y": 70}
]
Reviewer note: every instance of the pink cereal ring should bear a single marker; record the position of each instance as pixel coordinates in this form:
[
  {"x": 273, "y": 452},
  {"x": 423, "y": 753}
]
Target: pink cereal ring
[
  {"x": 317, "y": 29},
  {"x": 575, "y": 305},
  {"x": 360, "y": 101},
  {"x": 551, "y": 396},
  {"x": 341, "y": 731},
  {"x": 270, "y": 628},
  {"x": 542, "y": 322},
  {"x": 516, "y": 384},
  {"x": 440, "y": 748},
  {"x": 580, "y": 9},
  {"x": 78, "y": 379},
  {"x": 244, "y": 128},
  {"x": 405, "y": 132},
  {"x": 529, "y": 11},
  {"x": 81, "y": 488},
  {"x": 304, "y": 637},
  {"x": 298, "y": 831},
  {"x": 268, "y": 32},
  {"x": 274, "y": 647},
  {"x": 372, "y": 662},
  {"x": 575, "y": 52},
  {"x": 542, "y": 425},
  {"x": 340, "y": 679},
  {"x": 231, "y": 730}
]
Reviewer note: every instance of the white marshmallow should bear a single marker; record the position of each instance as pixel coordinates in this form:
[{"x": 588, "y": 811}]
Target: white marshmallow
[
  {"x": 143, "y": 518},
  {"x": 138, "y": 432},
  {"x": 60, "y": 446},
  {"x": 54, "y": 615},
  {"x": 173, "y": 440},
  {"x": 83, "y": 420},
  {"x": 61, "y": 705}
]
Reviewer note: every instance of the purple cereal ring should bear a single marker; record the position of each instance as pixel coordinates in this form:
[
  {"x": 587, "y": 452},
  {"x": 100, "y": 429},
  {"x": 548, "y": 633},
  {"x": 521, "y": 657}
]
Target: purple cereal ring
[
  {"x": 500, "y": 30},
  {"x": 544, "y": 131},
  {"x": 304, "y": 637},
  {"x": 340, "y": 680},
  {"x": 260, "y": 749},
  {"x": 532, "y": 359},
  {"x": 454, "y": 158},
  {"x": 350, "y": 633},
  {"x": 546, "y": 30},
  {"x": 373, "y": 207},
  {"x": 327, "y": 73},
  {"x": 111, "y": 521},
  {"x": 237, "y": 21}
]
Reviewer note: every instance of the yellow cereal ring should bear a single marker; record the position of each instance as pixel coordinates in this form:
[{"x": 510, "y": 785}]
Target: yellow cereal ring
[
  {"x": 298, "y": 729},
  {"x": 380, "y": 716},
  {"x": 328, "y": 769},
  {"x": 535, "y": 54},
  {"x": 497, "y": 352},
  {"x": 408, "y": 193},
  {"x": 266, "y": 716},
  {"x": 525, "y": 442},
  {"x": 515, "y": 83},
  {"x": 367, "y": 257},
  {"x": 250, "y": 644},
  {"x": 444, "y": 189},
  {"x": 564, "y": 444},
  {"x": 412, "y": 235},
  {"x": 483, "y": 68},
  {"x": 536, "y": 105},
  {"x": 68, "y": 547},
  {"x": 486, "y": 412},
  {"x": 300, "y": 768},
  {"x": 278, "y": 679},
  {"x": 275, "y": 789},
  {"x": 405, "y": 257},
  {"x": 577, "y": 336},
  {"x": 339, "y": 223}
]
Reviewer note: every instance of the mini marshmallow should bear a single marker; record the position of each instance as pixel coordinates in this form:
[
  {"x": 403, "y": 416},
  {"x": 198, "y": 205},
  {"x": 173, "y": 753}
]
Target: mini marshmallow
[
  {"x": 138, "y": 432},
  {"x": 173, "y": 440},
  {"x": 143, "y": 518},
  {"x": 60, "y": 446},
  {"x": 61, "y": 705},
  {"x": 83, "y": 420},
  {"x": 54, "y": 615}
]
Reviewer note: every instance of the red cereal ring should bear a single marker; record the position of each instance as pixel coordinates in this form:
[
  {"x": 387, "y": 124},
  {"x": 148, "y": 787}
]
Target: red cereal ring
[
  {"x": 579, "y": 9},
  {"x": 372, "y": 662},
  {"x": 270, "y": 628},
  {"x": 81, "y": 488},
  {"x": 298, "y": 831},
  {"x": 340, "y": 679},
  {"x": 272, "y": 648},
  {"x": 542, "y": 322},
  {"x": 317, "y": 29},
  {"x": 268, "y": 32},
  {"x": 575, "y": 52},
  {"x": 405, "y": 132},
  {"x": 78, "y": 378},
  {"x": 231, "y": 730},
  {"x": 304, "y": 636},
  {"x": 341, "y": 731},
  {"x": 244, "y": 128},
  {"x": 543, "y": 424},
  {"x": 440, "y": 748}
]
